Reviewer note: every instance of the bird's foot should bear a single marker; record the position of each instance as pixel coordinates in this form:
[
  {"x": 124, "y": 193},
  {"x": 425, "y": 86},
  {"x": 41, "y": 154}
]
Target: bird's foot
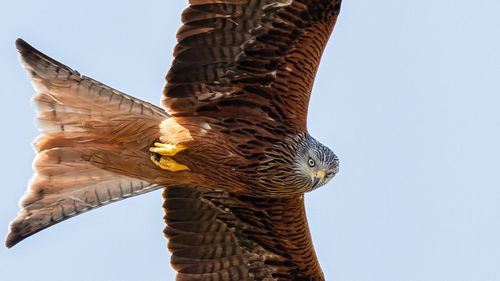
[
  {"x": 166, "y": 149},
  {"x": 160, "y": 155}
]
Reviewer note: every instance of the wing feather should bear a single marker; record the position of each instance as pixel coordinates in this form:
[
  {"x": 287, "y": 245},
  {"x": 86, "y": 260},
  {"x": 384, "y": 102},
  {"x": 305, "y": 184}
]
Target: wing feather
[
  {"x": 215, "y": 235},
  {"x": 260, "y": 55}
]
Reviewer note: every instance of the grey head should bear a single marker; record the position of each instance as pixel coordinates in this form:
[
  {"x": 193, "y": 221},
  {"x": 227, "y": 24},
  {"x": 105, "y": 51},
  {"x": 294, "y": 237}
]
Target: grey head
[{"x": 315, "y": 164}]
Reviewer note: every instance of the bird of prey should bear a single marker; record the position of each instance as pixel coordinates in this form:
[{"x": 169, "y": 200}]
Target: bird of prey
[{"x": 230, "y": 150}]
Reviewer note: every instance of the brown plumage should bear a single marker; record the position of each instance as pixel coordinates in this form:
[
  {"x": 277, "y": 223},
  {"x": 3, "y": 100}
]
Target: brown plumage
[
  {"x": 214, "y": 235},
  {"x": 239, "y": 157}
]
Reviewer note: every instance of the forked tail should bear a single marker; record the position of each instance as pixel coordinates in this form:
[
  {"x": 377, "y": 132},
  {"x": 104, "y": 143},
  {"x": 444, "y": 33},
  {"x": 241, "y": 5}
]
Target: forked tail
[{"x": 93, "y": 147}]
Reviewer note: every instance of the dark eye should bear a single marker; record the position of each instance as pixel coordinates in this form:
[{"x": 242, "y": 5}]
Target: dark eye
[{"x": 311, "y": 162}]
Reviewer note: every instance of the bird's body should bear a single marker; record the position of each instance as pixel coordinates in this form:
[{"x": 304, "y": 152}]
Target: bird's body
[
  {"x": 231, "y": 149},
  {"x": 211, "y": 144}
]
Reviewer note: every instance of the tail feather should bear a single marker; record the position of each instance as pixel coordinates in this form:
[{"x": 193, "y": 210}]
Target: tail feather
[{"x": 93, "y": 147}]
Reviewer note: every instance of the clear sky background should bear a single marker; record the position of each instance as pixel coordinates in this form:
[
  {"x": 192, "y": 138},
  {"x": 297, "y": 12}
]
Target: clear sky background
[{"x": 407, "y": 95}]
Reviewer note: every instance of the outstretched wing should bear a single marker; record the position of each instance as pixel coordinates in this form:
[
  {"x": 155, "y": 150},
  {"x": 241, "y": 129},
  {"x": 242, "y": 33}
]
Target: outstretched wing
[
  {"x": 249, "y": 58},
  {"x": 215, "y": 235}
]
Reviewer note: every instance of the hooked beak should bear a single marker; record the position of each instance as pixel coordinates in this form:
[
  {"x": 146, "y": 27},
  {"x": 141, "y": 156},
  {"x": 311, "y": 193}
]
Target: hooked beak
[
  {"x": 319, "y": 177},
  {"x": 315, "y": 182}
]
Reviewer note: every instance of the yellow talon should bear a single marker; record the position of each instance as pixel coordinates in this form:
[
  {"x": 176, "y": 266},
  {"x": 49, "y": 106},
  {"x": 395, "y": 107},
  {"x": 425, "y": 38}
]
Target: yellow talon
[
  {"x": 168, "y": 163},
  {"x": 167, "y": 149},
  {"x": 160, "y": 153}
]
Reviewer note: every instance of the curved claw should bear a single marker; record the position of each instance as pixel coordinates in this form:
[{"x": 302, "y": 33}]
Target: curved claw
[
  {"x": 167, "y": 149},
  {"x": 167, "y": 163},
  {"x": 160, "y": 156}
]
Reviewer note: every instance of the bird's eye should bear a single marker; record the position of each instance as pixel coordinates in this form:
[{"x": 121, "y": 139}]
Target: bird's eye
[{"x": 311, "y": 162}]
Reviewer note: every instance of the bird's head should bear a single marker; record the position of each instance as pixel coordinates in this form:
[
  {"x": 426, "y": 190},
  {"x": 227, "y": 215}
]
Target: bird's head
[{"x": 315, "y": 163}]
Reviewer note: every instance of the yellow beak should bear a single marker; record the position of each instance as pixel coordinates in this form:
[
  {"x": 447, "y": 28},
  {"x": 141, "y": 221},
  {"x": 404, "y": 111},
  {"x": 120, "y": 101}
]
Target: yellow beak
[{"x": 320, "y": 174}]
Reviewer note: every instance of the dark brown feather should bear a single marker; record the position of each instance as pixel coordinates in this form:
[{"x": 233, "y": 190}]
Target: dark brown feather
[
  {"x": 253, "y": 59},
  {"x": 216, "y": 235}
]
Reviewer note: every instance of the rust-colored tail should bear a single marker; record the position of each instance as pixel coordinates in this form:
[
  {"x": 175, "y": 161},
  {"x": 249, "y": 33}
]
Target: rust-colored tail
[{"x": 93, "y": 147}]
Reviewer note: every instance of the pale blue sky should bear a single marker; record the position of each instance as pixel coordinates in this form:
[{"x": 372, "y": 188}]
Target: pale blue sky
[{"x": 408, "y": 96}]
